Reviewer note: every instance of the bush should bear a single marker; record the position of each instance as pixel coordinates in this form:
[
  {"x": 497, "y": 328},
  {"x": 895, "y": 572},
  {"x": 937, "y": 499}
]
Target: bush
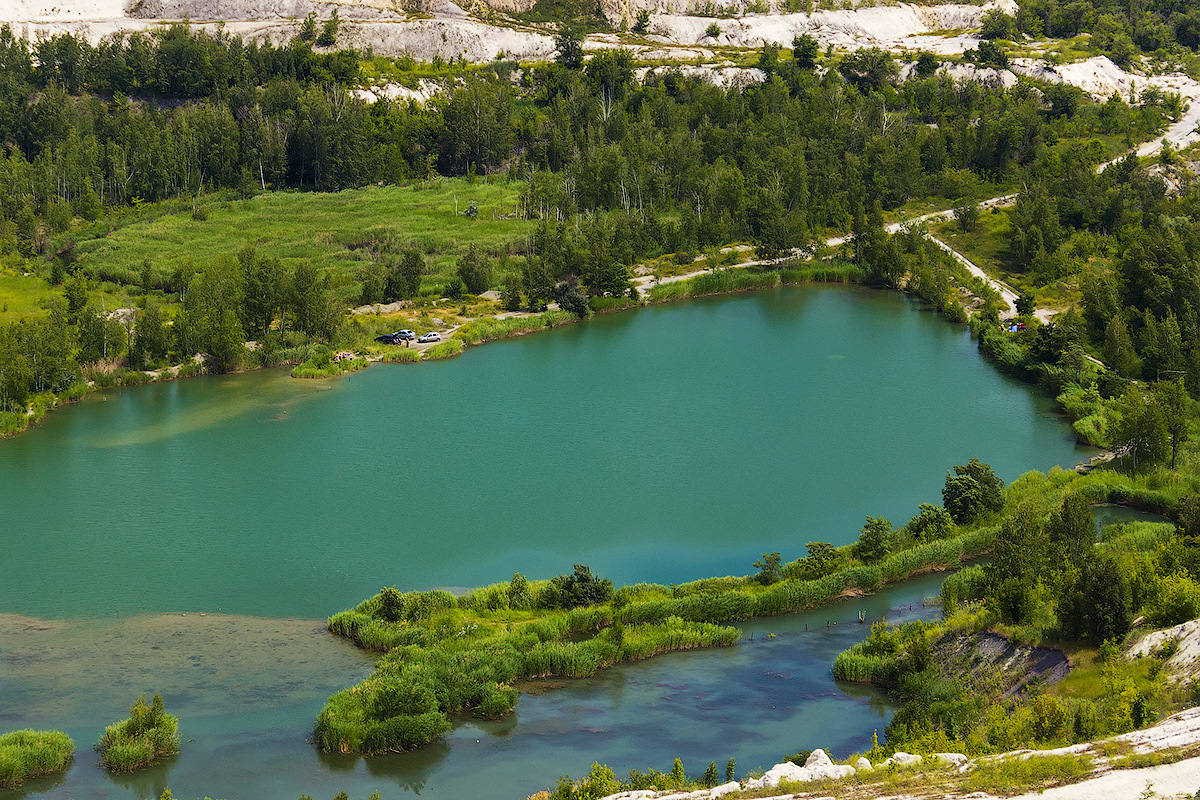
[
  {"x": 28, "y": 754},
  {"x": 149, "y": 734},
  {"x": 932, "y": 522},
  {"x": 874, "y": 541},
  {"x": 446, "y": 349},
  {"x": 1176, "y": 600},
  {"x": 971, "y": 491}
]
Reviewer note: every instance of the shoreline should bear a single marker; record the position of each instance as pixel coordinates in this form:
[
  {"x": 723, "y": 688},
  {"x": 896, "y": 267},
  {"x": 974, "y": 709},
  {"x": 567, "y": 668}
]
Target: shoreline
[{"x": 36, "y": 413}]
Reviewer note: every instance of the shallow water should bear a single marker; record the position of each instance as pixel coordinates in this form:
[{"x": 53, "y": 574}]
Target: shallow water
[
  {"x": 248, "y": 706},
  {"x": 665, "y": 444}
]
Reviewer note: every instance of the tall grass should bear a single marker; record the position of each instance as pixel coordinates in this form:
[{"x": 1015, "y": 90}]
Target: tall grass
[
  {"x": 487, "y": 329},
  {"x": 857, "y": 666},
  {"x": 466, "y": 653},
  {"x": 146, "y": 736},
  {"x": 446, "y": 349},
  {"x": 1007, "y": 775},
  {"x": 12, "y": 422},
  {"x": 823, "y": 273},
  {"x": 718, "y": 282},
  {"x": 28, "y": 754},
  {"x": 311, "y": 370},
  {"x": 400, "y": 355}
]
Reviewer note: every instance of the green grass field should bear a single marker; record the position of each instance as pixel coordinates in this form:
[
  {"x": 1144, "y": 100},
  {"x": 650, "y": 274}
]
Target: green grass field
[
  {"x": 21, "y": 294},
  {"x": 331, "y": 230}
]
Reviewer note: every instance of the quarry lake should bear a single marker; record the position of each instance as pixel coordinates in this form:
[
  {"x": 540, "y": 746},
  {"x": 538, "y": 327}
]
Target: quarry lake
[{"x": 666, "y": 444}]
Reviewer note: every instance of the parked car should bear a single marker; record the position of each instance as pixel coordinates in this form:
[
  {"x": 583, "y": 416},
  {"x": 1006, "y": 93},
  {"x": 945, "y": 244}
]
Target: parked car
[
  {"x": 432, "y": 336},
  {"x": 396, "y": 338}
]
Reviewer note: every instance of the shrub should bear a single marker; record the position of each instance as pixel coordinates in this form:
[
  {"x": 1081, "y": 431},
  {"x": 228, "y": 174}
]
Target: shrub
[
  {"x": 149, "y": 734},
  {"x": 28, "y": 754},
  {"x": 768, "y": 568},
  {"x": 875, "y": 540},
  {"x": 580, "y": 588},
  {"x": 931, "y": 522},
  {"x": 1177, "y": 600},
  {"x": 1048, "y": 718},
  {"x": 446, "y": 349},
  {"x": 972, "y": 491}
]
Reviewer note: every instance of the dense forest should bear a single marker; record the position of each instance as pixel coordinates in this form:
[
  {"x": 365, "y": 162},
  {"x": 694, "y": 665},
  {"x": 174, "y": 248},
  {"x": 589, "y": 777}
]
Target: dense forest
[
  {"x": 614, "y": 169},
  {"x": 1166, "y": 28}
]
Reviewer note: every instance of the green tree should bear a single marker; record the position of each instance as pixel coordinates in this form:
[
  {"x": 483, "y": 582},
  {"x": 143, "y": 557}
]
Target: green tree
[
  {"x": 475, "y": 270},
  {"x": 374, "y": 277},
  {"x": 519, "y": 595},
  {"x": 1026, "y": 303},
  {"x": 972, "y": 490},
  {"x": 510, "y": 295},
  {"x": 710, "y": 775},
  {"x": 869, "y": 68},
  {"x": 391, "y": 605},
  {"x": 75, "y": 290},
  {"x": 404, "y": 280},
  {"x": 329, "y": 31},
  {"x": 1096, "y": 605},
  {"x": 997, "y": 25},
  {"x": 1048, "y": 718},
  {"x": 1173, "y": 403},
  {"x": 150, "y": 341},
  {"x": 581, "y": 588},
  {"x": 308, "y": 28},
  {"x": 768, "y": 567},
  {"x": 805, "y": 50},
  {"x": 967, "y": 217},
  {"x": 931, "y": 522},
  {"x": 875, "y": 541},
  {"x": 1071, "y": 531},
  {"x": 228, "y": 342},
  {"x": 570, "y": 297},
  {"x": 1119, "y": 354},
  {"x": 642, "y": 21},
  {"x": 1141, "y": 432},
  {"x": 569, "y": 47}
]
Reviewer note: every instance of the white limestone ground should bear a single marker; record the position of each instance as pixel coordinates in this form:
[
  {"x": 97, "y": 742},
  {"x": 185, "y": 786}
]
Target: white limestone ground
[
  {"x": 1184, "y": 665},
  {"x": 1169, "y": 780}
]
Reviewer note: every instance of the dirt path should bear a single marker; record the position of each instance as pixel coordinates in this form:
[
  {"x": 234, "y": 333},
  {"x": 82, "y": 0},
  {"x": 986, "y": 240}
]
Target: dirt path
[{"x": 646, "y": 282}]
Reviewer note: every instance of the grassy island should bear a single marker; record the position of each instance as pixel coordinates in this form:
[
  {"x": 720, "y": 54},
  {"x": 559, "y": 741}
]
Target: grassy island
[
  {"x": 446, "y": 655},
  {"x": 28, "y": 754},
  {"x": 149, "y": 734}
]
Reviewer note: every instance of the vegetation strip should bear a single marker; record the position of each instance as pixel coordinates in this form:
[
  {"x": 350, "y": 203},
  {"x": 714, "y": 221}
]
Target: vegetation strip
[
  {"x": 445, "y": 655},
  {"x": 29, "y": 754}
]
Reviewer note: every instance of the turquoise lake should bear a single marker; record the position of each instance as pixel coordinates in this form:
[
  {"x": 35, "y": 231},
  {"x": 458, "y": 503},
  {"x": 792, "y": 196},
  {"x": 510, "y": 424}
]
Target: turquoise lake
[
  {"x": 663, "y": 445},
  {"x": 666, "y": 444}
]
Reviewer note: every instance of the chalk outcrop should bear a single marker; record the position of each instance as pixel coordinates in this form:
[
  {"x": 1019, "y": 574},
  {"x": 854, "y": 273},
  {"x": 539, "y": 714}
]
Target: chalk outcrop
[{"x": 817, "y": 767}]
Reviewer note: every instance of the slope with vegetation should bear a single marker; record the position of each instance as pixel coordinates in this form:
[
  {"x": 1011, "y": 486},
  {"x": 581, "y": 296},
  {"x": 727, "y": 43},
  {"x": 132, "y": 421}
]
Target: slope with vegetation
[{"x": 136, "y": 182}]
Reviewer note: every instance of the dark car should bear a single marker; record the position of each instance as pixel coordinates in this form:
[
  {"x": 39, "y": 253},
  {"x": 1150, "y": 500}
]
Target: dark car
[{"x": 396, "y": 338}]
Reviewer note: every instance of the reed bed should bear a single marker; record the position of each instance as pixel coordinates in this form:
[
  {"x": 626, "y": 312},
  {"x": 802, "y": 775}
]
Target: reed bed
[
  {"x": 146, "y": 736},
  {"x": 27, "y": 754},
  {"x": 466, "y": 654}
]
